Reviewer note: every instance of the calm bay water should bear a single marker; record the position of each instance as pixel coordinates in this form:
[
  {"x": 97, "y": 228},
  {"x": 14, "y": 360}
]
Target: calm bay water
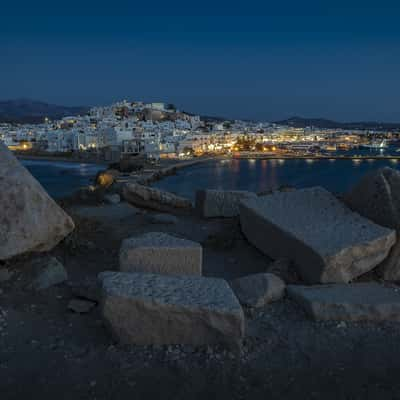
[
  {"x": 62, "y": 178},
  {"x": 260, "y": 175}
]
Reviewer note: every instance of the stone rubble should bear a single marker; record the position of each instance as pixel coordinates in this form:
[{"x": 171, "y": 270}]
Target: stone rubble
[
  {"x": 158, "y": 252},
  {"x": 326, "y": 240},
  {"x": 350, "y": 302},
  {"x": 220, "y": 203},
  {"x": 149, "y": 197},
  {"x": 160, "y": 309}
]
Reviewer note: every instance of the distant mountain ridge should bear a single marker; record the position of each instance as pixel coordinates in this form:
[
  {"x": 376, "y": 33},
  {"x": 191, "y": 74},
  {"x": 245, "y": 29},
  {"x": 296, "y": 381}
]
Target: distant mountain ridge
[
  {"x": 33, "y": 111},
  {"x": 299, "y": 122}
]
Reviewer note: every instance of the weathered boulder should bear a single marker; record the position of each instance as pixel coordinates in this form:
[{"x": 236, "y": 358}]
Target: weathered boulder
[
  {"x": 30, "y": 220},
  {"x": 49, "y": 272},
  {"x": 157, "y": 309},
  {"x": 257, "y": 290},
  {"x": 149, "y": 197},
  {"x": 220, "y": 203},
  {"x": 377, "y": 197},
  {"x": 353, "y": 302},
  {"x": 326, "y": 240},
  {"x": 81, "y": 306},
  {"x": 158, "y": 252}
]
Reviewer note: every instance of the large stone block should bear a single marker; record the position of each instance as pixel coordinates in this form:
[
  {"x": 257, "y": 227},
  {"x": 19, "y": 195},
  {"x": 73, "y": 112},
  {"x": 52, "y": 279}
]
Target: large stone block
[
  {"x": 159, "y": 309},
  {"x": 158, "y": 252},
  {"x": 30, "y": 220},
  {"x": 326, "y": 240},
  {"x": 149, "y": 197},
  {"x": 377, "y": 197},
  {"x": 353, "y": 302},
  {"x": 220, "y": 203}
]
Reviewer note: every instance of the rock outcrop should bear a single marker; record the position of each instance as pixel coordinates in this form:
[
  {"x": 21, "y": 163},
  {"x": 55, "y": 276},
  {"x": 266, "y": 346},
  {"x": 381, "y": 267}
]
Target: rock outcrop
[
  {"x": 352, "y": 302},
  {"x": 258, "y": 290},
  {"x": 220, "y": 203},
  {"x": 151, "y": 309},
  {"x": 326, "y": 240},
  {"x": 158, "y": 252},
  {"x": 30, "y": 220},
  {"x": 149, "y": 197},
  {"x": 377, "y": 197}
]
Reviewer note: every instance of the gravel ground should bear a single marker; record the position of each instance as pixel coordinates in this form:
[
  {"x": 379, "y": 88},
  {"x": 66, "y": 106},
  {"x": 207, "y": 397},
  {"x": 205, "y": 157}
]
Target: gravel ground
[{"x": 48, "y": 351}]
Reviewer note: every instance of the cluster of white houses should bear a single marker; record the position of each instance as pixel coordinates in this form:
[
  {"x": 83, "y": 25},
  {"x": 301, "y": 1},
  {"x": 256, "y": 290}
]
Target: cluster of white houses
[
  {"x": 158, "y": 130},
  {"x": 154, "y": 129}
]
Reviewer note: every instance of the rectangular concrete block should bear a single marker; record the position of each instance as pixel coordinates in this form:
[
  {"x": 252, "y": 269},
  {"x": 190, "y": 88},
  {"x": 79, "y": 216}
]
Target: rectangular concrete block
[
  {"x": 352, "y": 302},
  {"x": 327, "y": 242},
  {"x": 161, "y": 253},
  {"x": 159, "y": 309},
  {"x": 220, "y": 203}
]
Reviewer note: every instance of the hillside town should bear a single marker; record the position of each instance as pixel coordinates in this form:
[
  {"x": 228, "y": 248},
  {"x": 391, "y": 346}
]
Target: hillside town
[{"x": 160, "y": 130}]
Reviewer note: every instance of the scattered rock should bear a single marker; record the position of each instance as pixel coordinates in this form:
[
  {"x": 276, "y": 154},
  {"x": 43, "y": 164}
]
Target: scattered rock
[
  {"x": 112, "y": 198},
  {"x": 166, "y": 219},
  {"x": 158, "y": 252},
  {"x": 159, "y": 309},
  {"x": 81, "y": 306},
  {"x": 30, "y": 220},
  {"x": 326, "y": 240},
  {"x": 149, "y": 197},
  {"x": 257, "y": 290},
  {"x": 352, "y": 302},
  {"x": 220, "y": 203},
  {"x": 50, "y": 272},
  {"x": 377, "y": 197}
]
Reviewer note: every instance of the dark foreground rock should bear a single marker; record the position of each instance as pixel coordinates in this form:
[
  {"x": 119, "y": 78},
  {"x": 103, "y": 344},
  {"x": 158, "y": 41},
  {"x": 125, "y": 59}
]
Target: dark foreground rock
[
  {"x": 377, "y": 197},
  {"x": 30, "y": 220},
  {"x": 259, "y": 289},
  {"x": 148, "y": 197},
  {"x": 158, "y": 252},
  {"x": 156, "y": 309},
  {"x": 49, "y": 272},
  {"x": 326, "y": 240},
  {"x": 352, "y": 302},
  {"x": 163, "y": 219},
  {"x": 220, "y": 203}
]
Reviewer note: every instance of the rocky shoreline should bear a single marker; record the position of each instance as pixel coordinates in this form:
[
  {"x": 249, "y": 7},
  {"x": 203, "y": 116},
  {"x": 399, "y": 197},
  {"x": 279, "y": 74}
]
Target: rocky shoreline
[{"x": 224, "y": 319}]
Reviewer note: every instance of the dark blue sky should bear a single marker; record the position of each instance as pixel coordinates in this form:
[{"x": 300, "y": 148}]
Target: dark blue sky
[{"x": 258, "y": 60}]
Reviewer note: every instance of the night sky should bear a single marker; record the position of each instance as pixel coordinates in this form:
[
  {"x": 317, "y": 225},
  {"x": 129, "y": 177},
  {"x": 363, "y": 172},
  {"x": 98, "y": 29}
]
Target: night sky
[{"x": 255, "y": 60}]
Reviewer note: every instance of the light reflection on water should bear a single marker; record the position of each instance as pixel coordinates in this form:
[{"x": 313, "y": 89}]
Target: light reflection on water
[
  {"x": 261, "y": 175},
  {"x": 62, "y": 178}
]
